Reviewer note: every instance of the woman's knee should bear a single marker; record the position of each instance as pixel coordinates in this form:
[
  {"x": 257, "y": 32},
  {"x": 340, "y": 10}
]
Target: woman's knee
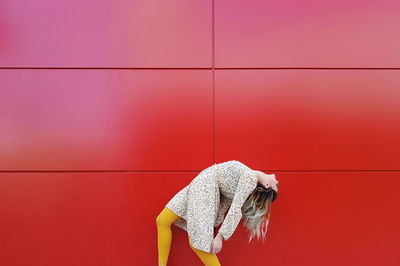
[
  {"x": 161, "y": 220},
  {"x": 208, "y": 258},
  {"x": 166, "y": 218}
]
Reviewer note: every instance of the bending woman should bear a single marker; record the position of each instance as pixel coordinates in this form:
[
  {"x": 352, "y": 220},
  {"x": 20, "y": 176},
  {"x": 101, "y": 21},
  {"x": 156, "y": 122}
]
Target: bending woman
[{"x": 201, "y": 206}]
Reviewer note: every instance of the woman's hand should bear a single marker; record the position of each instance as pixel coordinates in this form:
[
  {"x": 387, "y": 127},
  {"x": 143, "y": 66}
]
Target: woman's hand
[{"x": 216, "y": 244}]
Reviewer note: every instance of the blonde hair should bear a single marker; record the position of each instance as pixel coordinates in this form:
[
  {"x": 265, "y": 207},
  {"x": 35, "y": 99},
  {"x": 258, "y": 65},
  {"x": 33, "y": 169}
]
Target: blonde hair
[{"x": 256, "y": 206}]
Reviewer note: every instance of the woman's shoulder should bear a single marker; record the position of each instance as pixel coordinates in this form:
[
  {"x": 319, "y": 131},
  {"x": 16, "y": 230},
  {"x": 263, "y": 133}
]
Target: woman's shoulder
[
  {"x": 231, "y": 162},
  {"x": 236, "y": 163}
]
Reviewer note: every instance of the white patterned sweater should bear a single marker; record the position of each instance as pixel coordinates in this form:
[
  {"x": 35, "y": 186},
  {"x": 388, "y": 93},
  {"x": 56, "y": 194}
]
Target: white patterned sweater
[{"x": 219, "y": 189}]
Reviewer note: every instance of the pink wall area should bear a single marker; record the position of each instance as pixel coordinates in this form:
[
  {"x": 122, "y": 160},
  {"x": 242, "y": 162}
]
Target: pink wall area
[{"x": 109, "y": 108}]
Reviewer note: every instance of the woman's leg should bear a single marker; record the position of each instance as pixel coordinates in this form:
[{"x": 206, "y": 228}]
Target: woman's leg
[
  {"x": 209, "y": 259},
  {"x": 164, "y": 221}
]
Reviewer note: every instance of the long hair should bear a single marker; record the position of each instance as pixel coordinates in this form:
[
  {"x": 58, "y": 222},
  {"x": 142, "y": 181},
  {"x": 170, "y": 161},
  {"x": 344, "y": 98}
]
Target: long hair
[{"x": 255, "y": 208}]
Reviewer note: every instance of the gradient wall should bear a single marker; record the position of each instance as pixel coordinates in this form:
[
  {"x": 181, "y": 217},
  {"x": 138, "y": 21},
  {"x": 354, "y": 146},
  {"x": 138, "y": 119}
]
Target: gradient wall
[{"x": 108, "y": 108}]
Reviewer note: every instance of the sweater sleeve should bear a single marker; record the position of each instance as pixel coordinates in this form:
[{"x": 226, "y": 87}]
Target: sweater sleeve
[
  {"x": 246, "y": 184},
  {"x": 223, "y": 207}
]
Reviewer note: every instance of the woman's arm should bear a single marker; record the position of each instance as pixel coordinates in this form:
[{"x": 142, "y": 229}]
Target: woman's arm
[
  {"x": 247, "y": 183},
  {"x": 223, "y": 207}
]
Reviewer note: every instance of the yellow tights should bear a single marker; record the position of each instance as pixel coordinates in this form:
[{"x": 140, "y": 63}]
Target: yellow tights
[{"x": 164, "y": 221}]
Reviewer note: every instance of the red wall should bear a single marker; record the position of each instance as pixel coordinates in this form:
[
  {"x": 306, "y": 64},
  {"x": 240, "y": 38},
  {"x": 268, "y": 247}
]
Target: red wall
[{"x": 108, "y": 108}]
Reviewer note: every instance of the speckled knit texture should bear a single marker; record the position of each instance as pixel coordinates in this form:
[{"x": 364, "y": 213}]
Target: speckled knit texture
[{"x": 202, "y": 204}]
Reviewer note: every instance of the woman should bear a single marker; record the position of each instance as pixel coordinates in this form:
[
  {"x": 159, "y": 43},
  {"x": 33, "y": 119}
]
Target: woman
[{"x": 200, "y": 207}]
